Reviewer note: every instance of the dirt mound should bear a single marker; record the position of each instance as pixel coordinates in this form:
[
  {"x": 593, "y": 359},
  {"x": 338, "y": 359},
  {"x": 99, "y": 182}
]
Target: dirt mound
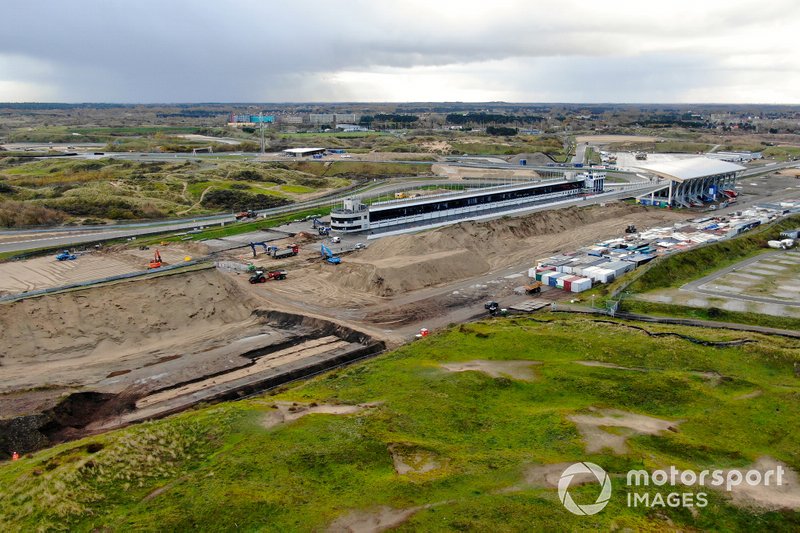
[
  {"x": 408, "y": 262},
  {"x": 76, "y": 337},
  {"x": 117, "y": 316},
  {"x": 401, "y": 273}
]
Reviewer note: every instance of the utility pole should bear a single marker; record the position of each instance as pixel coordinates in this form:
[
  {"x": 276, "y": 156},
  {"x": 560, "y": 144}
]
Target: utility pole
[{"x": 261, "y": 123}]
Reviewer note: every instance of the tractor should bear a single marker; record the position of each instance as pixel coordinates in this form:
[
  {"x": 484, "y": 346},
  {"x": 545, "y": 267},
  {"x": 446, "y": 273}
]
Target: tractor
[{"x": 262, "y": 277}]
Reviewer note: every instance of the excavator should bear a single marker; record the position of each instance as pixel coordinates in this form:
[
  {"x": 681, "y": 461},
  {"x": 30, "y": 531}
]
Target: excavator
[
  {"x": 329, "y": 256},
  {"x": 156, "y": 262}
]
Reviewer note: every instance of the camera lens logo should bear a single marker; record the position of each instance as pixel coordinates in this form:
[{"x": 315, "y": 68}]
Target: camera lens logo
[{"x": 584, "y": 468}]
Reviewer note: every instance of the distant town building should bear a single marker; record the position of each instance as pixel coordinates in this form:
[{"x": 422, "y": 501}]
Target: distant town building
[
  {"x": 290, "y": 119},
  {"x": 248, "y": 120},
  {"x": 325, "y": 119},
  {"x": 321, "y": 119},
  {"x": 350, "y": 127}
]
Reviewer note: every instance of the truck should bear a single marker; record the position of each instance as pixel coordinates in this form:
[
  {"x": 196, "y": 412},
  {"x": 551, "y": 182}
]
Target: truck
[
  {"x": 534, "y": 288},
  {"x": 246, "y": 214},
  {"x": 289, "y": 251}
]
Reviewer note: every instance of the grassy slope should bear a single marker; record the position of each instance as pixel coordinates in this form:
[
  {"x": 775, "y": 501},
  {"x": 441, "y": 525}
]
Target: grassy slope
[
  {"x": 218, "y": 466},
  {"x": 678, "y": 269}
]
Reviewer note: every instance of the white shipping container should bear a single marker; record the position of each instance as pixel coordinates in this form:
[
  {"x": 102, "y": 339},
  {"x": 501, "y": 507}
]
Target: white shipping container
[
  {"x": 532, "y": 273},
  {"x": 591, "y": 273},
  {"x": 605, "y": 275},
  {"x": 581, "y": 284}
]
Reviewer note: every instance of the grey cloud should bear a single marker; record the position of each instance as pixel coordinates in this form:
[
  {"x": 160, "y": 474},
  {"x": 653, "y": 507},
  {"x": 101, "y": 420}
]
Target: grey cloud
[{"x": 242, "y": 50}]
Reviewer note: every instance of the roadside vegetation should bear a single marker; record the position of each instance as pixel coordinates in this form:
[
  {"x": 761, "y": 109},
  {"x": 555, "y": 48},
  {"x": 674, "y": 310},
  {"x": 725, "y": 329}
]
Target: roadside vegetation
[{"x": 477, "y": 436}]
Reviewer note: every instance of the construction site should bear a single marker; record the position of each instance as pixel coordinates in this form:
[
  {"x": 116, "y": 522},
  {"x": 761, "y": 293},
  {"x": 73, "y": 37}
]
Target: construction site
[
  {"x": 107, "y": 335},
  {"x": 252, "y": 316}
]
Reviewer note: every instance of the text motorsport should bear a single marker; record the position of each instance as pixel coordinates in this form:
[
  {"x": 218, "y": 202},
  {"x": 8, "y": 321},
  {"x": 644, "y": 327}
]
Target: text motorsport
[{"x": 636, "y": 479}]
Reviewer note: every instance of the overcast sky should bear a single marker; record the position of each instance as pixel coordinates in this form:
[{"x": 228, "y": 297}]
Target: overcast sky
[{"x": 736, "y": 51}]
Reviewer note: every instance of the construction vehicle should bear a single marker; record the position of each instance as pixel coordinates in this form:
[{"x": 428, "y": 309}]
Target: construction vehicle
[
  {"x": 66, "y": 256},
  {"x": 262, "y": 277},
  {"x": 285, "y": 252},
  {"x": 533, "y": 288},
  {"x": 329, "y": 256},
  {"x": 156, "y": 262},
  {"x": 630, "y": 229},
  {"x": 324, "y": 230},
  {"x": 246, "y": 214},
  {"x": 495, "y": 309}
]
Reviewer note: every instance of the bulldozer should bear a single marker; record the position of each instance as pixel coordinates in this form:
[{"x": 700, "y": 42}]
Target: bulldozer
[
  {"x": 156, "y": 262},
  {"x": 262, "y": 277}
]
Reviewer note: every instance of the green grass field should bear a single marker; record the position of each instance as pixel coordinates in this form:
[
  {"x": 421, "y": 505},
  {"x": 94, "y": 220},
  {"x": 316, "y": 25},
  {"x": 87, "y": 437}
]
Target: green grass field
[{"x": 219, "y": 467}]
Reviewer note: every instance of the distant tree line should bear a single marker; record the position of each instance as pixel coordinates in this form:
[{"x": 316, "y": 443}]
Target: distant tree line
[
  {"x": 501, "y": 130},
  {"x": 490, "y": 118}
]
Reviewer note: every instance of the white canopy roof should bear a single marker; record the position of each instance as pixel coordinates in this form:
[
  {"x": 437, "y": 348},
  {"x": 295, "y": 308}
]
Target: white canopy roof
[{"x": 690, "y": 168}]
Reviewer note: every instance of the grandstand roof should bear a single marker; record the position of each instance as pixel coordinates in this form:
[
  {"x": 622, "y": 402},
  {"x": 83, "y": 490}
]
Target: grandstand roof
[{"x": 690, "y": 168}]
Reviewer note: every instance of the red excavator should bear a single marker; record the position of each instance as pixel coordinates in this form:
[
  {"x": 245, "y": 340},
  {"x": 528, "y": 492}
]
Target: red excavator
[{"x": 156, "y": 262}]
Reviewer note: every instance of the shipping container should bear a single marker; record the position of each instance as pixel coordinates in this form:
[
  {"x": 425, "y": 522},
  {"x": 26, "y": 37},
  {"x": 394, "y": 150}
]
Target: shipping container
[{"x": 581, "y": 284}]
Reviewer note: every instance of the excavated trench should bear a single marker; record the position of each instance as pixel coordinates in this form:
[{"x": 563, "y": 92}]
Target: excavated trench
[{"x": 88, "y": 412}]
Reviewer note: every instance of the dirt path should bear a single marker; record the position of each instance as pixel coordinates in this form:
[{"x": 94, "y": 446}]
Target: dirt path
[{"x": 196, "y": 204}]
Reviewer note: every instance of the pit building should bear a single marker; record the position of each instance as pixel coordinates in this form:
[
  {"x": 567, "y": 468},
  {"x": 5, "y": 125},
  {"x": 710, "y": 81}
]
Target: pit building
[{"x": 356, "y": 217}]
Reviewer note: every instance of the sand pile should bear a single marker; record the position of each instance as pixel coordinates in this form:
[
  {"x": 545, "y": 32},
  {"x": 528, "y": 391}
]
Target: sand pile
[
  {"x": 120, "y": 318},
  {"x": 401, "y": 273},
  {"x": 392, "y": 265}
]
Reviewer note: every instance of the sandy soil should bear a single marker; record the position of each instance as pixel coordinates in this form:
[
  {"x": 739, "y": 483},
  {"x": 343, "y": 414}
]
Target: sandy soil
[
  {"x": 785, "y": 496},
  {"x": 373, "y": 521},
  {"x": 794, "y": 172},
  {"x": 273, "y": 360},
  {"x": 412, "y": 460},
  {"x": 47, "y": 272},
  {"x": 400, "y": 264},
  {"x": 597, "y": 438},
  {"x": 132, "y": 334},
  {"x": 460, "y": 173},
  {"x": 497, "y": 369},
  {"x": 288, "y": 412}
]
